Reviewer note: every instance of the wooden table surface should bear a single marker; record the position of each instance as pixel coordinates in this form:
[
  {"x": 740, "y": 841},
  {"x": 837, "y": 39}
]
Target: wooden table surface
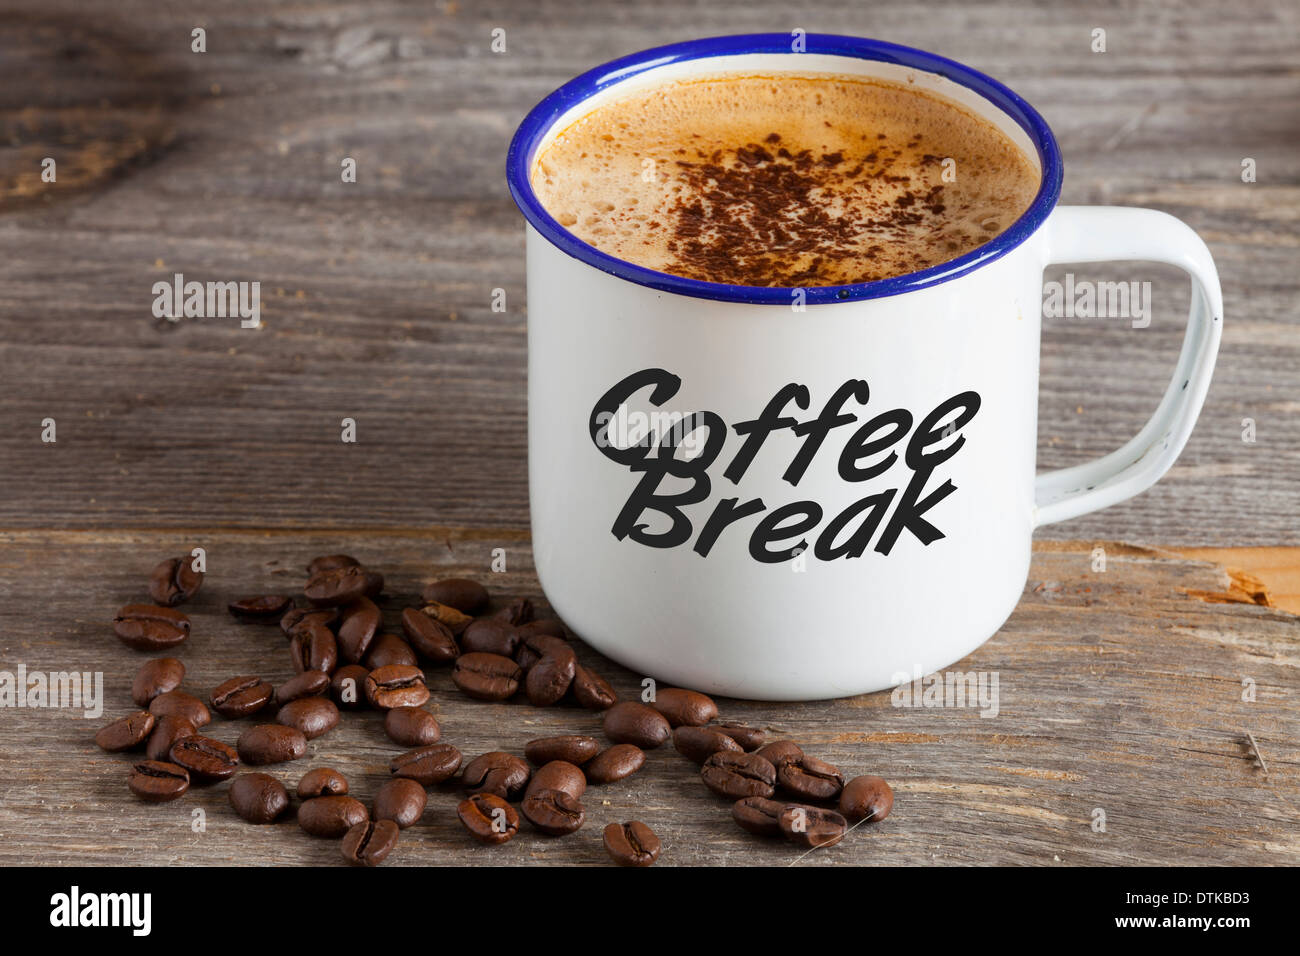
[{"x": 1121, "y": 693}]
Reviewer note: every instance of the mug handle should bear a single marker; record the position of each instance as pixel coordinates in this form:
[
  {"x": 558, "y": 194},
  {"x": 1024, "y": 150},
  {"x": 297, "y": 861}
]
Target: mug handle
[{"x": 1105, "y": 234}]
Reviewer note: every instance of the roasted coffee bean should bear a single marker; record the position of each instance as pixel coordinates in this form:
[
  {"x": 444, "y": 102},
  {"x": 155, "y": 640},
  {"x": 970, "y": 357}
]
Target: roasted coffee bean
[
  {"x": 701, "y": 743},
  {"x": 258, "y": 797},
  {"x": 348, "y": 687},
  {"x": 592, "y": 691},
  {"x": 398, "y": 685},
  {"x": 574, "y": 748},
  {"x": 866, "y": 798},
  {"x": 684, "y": 708},
  {"x": 174, "y": 581},
  {"x": 166, "y": 731},
  {"x": 496, "y": 772},
  {"x": 445, "y": 614},
  {"x": 488, "y": 818},
  {"x": 780, "y": 752},
  {"x": 389, "y": 649},
  {"x": 313, "y": 716},
  {"x": 156, "y": 781},
  {"x": 324, "y": 616},
  {"x": 148, "y": 627},
  {"x": 322, "y": 782},
  {"x": 335, "y": 587},
  {"x": 156, "y": 677},
  {"x": 736, "y": 775},
  {"x": 489, "y": 635},
  {"x": 548, "y": 680},
  {"x": 306, "y": 684},
  {"x": 486, "y": 676},
  {"x": 401, "y": 801},
  {"x": 126, "y": 733},
  {"x": 549, "y": 627},
  {"x": 205, "y": 759},
  {"x": 412, "y": 727},
  {"x": 331, "y": 562},
  {"x": 536, "y": 646},
  {"x": 466, "y": 596},
  {"x": 271, "y": 743},
  {"x": 759, "y": 815},
  {"x": 810, "y": 779},
  {"x": 749, "y": 738},
  {"x": 430, "y": 638},
  {"x": 554, "y": 812},
  {"x": 369, "y": 843},
  {"x": 631, "y": 844},
  {"x": 262, "y": 609},
  {"x": 331, "y": 816},
  {"x": 619, "y": 761},
  {"x": 313, "y": 648},
  {"x": 811, "y": 827},
  {"x": 559, "y": 775},
  {"x": 517, "y": 612},
  {"x": 241, "y": 696},
  {"x": 427, "y": 765},
  {"x": 180, "y": 704},
  {"x": 632, "y": 722},
  {"x": 359, "y": 622}
]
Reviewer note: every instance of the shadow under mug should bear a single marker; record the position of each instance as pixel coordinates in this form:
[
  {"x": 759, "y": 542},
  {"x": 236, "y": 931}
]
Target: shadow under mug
[{"x": 802, "y": 494}]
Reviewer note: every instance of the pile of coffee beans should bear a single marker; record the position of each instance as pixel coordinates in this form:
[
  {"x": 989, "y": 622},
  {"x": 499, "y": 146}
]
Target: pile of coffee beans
[{"x": 344, "y": 661}]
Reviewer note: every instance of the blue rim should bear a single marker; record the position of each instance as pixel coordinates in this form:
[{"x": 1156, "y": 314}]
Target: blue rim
[{"x": 540, "y": 120}]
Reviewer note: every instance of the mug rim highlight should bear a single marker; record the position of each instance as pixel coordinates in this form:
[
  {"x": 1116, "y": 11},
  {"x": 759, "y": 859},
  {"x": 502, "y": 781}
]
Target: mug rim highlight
[{"x": 539, "y": 121}]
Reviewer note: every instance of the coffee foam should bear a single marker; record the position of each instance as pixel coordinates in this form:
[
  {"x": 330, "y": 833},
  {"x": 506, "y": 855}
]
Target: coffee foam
[{"x": 784, "y": 180}]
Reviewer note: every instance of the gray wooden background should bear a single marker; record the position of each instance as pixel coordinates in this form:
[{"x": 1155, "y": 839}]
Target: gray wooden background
[{"x": 376, "y": 305}]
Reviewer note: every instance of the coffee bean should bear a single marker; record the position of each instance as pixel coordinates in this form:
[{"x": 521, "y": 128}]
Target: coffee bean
[
  {"x": 867, "y": 798},
  {"x": 430, "y": 638},
  {"x": 148, "y": 627},
  {"x": 811, "y": 827},
  {"x": 488, "y": 818},
  {"x": 359, "y": 622},
  {"x": 632, "y": 722},
  {"x": 427, "y": 765},
  {"x": 486, "y": 676},
  {"x": 324, "y": 616},
  {"x": 684, "y": 708},
  {"x": 574, "y": 748},
  {"x": 369, "y": 843},
  {"x": 810, "y": 779},
  {"x": 497, "y": 772},
  {"x": 536, "y": 646},
  {"x": 389, "y": 649},
  {"x": 331, "y": 562},
  {"x": 401, "y": 801},
  {"x": 205, "y": 759},
  {"x": 780, "y": 752},
  {"x": 619, "y": 761},
  {"x": 554, "y": 812},
  {"x": 592, "y": 691},
  {"x": 322, "y": 782},
  {"x": 631, "y": 844},
  {"x": 548, "y": 680},
  {"x": 466, "y": 596},
  {"x": 412, "y": 727},
  {"x": 313, "y": 648},
  {"x": 749, "y": 738},
  {"x": 331, "y": 816},
  {"x": 258, "y": 797},
  {"x": 559, "y": 775},
  {"x": 348, "y": 687},
  {"x": 166, "y": 731},
  {"x": 262, "y": 609},
  {"x": 313, "y": 716},
  {"x": 701, "y": 743},
  {"x": 549, "y": 627},
  {"x": 271, "y": 743},
  {"x": 180, "y": 704},
  {"x": 126, "y": 733},
  {"x": 737, "y": 775},
  {"x": 397, "y": 685},
  {"x": 489, "y": 635},
  {"x": 241, "y": 696},
  {"x": 445, "y": 614},
  {"x": 306, "y": 684},
  {"x": 156, "y": 677},
  {"x": 334, "y": 587},
  {"x": 759, "y": 815},
  {"x": 517, "y": 612},
  {"x": 156, "y": 781},
  {"x": 174, "y": 581}
]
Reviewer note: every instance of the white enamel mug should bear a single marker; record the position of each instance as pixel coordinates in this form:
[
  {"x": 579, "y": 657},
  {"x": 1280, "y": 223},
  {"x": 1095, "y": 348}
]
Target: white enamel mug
[{"x": 871, "y": 517}]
